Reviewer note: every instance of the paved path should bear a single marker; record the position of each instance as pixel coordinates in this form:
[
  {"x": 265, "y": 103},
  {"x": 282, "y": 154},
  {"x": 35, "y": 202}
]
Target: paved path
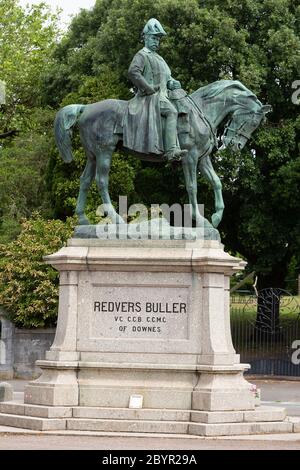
[
  {"x": 54, "y": 442},
  {"x": 284, "y": 393}
]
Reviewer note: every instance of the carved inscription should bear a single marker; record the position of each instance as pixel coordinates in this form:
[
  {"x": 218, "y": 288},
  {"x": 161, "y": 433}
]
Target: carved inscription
[{"x": 140, "y": 312}]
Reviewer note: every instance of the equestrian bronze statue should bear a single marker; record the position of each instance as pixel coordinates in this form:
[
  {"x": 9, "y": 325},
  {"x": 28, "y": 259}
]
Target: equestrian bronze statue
[{"x": 160, "y": 124}]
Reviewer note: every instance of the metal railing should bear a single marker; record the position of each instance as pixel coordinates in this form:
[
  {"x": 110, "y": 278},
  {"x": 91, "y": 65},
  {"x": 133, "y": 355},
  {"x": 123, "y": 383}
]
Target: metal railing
[{"x": 266, "y": 331}]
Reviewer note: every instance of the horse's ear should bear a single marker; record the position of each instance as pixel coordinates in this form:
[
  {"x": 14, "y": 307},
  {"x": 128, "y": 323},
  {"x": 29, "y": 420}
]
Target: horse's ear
[{"x": 266, "y": 108}]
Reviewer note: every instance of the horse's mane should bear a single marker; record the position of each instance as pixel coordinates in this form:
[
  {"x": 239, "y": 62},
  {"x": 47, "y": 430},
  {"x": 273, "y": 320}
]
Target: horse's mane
[{"x": 214, "y": 89}]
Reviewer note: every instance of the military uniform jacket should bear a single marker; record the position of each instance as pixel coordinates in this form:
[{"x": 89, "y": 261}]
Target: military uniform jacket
[{"x": 142, "y": 121}]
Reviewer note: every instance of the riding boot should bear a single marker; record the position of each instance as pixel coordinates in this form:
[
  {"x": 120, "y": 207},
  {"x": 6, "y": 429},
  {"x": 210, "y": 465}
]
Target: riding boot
[
  {"x": 175, "y": 154},
  {"x": 173, "y": 151}
]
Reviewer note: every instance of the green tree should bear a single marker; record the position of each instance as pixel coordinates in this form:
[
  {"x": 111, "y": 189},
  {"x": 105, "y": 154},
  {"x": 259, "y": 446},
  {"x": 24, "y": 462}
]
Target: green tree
[
  {"x": 23, "y": 164},
  {"x": 256, "y": 42},
  {"x": 27, "y": 38}
]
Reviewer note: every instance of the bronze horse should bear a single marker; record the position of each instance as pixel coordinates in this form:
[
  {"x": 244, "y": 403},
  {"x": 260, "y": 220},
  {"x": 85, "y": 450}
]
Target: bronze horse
[{"x": 211, "y": 105}]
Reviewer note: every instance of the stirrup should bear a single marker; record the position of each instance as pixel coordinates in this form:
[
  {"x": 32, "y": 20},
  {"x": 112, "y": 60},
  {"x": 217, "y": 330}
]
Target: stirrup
[{"x": 175, "y": 155}]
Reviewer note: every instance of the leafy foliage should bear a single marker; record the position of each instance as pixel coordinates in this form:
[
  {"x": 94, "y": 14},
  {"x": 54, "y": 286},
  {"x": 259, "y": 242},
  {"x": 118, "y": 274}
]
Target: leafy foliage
[{"x": 29, "y": 287}]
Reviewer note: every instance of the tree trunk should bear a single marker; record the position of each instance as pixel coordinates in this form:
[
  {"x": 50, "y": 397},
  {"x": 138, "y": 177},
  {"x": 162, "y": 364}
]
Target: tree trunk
[{"x": 8, "y": 134}]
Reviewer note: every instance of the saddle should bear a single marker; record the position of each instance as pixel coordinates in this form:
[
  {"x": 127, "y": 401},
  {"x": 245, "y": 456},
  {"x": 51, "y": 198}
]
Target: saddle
[
  {"x": 179, "y": 100},
  {"x": 190, "y": 118},
  {"x": 183, "y": 106}
]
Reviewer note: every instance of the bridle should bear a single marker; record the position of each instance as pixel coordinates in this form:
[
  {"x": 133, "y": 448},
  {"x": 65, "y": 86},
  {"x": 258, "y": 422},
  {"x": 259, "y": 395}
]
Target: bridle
[{"x": 240, "y": 130}]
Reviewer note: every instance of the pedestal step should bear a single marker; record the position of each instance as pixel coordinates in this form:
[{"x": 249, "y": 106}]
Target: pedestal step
[
  {"x": 38, "y": 411},
  {"x": 33, "y": 423},
  {"x": 234, "y": 429},
  {"x": 145, "y": 414},
  {"x": 260, "y": 414},
  {"x": 262, "y": 420},
  {"x": 133, "y": 425}
]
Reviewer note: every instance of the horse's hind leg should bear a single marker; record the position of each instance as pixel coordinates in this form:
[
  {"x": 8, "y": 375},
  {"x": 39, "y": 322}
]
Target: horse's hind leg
[
  {"x": 104, "y": 156},
  {"x": 86, "y": 180}
]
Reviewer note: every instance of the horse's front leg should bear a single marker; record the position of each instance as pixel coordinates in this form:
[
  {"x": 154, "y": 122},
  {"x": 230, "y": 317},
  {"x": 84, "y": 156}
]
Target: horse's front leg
[
  {"x": 209, "y": 173},
  {"x": 190, "y": 164},
  {"x": 104, "y": 157}
]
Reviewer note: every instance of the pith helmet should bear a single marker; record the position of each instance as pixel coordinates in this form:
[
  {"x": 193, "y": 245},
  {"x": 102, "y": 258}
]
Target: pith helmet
[{"x": 154, "y": 27}]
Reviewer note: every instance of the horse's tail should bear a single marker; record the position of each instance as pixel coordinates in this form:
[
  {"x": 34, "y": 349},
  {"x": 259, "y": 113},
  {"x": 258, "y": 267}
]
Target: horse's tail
[{"x": 65, "y": 119}]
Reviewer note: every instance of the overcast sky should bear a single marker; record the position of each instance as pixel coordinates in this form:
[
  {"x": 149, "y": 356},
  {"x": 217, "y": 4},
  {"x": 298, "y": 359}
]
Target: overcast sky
[{"x": 70, "y": 7}]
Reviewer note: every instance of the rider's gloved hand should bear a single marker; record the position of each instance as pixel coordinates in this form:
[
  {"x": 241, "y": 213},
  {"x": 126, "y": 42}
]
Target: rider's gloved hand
[
  {"x": 151, "y": 90},
  {"x": 174, "y": 84}
]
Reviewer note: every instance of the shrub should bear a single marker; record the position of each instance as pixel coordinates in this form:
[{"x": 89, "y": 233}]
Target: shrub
[{"x": 29, "y": 287}]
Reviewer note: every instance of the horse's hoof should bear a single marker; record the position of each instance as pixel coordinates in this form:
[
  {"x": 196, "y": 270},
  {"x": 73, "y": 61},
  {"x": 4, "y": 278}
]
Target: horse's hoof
[
  {"x": 83, "y": 221},
  {"x": 215, "y": 220}
]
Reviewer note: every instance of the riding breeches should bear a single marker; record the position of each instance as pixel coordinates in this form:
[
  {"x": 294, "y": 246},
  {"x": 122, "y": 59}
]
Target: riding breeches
[{"x": 169, "y": 112}]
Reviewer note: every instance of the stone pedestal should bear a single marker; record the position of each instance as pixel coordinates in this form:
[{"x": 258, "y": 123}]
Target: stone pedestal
[
  {"x": 149, "y": 318},
  {"x": 143, "y": 317}
]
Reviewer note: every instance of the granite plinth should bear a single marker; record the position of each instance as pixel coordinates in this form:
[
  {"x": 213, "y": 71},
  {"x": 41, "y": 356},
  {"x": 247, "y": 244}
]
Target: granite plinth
[{"x": 142, "y": 317}]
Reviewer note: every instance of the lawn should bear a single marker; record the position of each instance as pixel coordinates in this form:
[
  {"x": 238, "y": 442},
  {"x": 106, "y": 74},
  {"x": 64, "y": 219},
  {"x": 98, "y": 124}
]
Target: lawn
[{"x": 244, "y": 309}]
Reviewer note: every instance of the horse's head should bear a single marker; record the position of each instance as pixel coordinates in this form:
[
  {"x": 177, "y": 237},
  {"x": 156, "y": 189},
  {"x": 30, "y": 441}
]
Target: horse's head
[
  {"x": 243, "y": 123},
  {"x": 231, "y": 98}
]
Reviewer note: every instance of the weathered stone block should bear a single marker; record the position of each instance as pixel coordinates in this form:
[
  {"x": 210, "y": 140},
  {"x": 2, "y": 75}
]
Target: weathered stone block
[{"x": 6, "y": 391}]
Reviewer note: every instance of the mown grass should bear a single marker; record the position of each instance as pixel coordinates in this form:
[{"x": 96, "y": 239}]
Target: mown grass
[{"x": 244, "y": 309}]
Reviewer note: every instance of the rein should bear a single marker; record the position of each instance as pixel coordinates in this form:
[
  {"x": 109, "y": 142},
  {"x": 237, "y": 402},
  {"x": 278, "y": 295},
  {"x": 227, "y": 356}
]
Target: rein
[
  {"x": 239, "y": 131},
  {"x": 206, "y": 121}
]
